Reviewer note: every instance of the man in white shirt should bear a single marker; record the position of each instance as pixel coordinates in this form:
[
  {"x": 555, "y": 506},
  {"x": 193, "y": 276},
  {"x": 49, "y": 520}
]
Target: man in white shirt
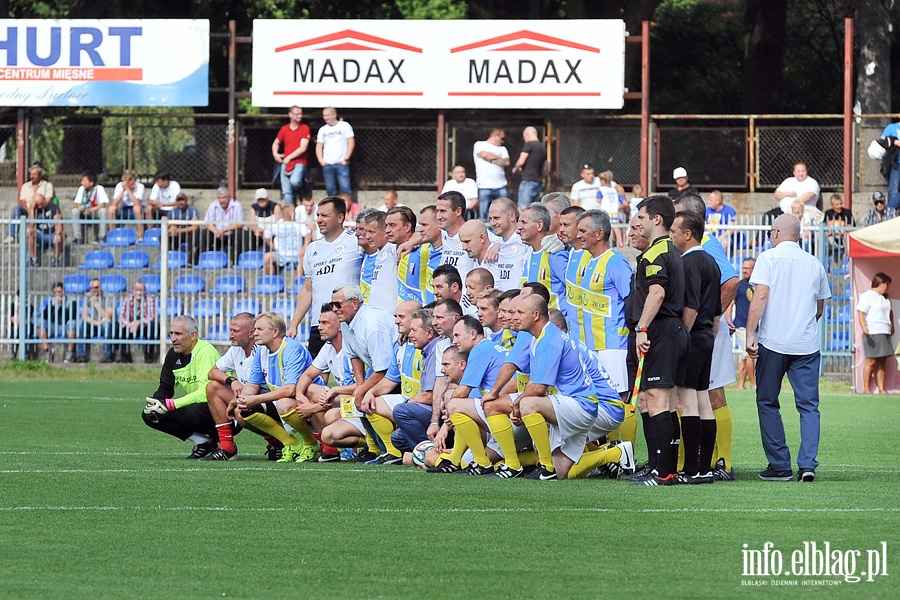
[
  {"x": 466, "y": 186},
  {"x": 584, "y": 192},
  {"x": 335, "y": 143},
  {"x": 799, "y": 187},
  {"x": 476, "y": 241},
  {"x": 491, "y": 158},
  {"x": 91, "y": 202},
  {"x": 504, "y": 219},
  {"x": 287, "y": 236},
  {"x": 390, "y": 201},
  {"x": 127, "y": 201},
  {"x": 789, "y": 297},
  {"x": 162, "y": 196},
  {"x": 224, "y": 224}
]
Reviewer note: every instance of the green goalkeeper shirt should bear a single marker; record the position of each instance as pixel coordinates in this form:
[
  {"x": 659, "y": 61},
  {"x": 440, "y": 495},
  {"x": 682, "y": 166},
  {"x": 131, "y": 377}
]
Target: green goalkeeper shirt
[{"x": 190, "y": 372}]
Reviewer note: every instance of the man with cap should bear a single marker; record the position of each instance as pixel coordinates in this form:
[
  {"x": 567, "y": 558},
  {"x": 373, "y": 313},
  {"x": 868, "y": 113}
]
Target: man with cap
[
  {"x": 682, "y": 185},
  {"x": 267, "y": 213},
  {"x": 584, "y": 191},
  {"x": 881, "y": 212}
]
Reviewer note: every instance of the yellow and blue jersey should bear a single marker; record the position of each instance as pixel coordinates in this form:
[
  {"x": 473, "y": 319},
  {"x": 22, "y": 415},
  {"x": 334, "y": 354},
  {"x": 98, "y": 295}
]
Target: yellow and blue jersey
[
  {"x": 483, "y": 365},
  {"x": 550, "y": 271},
  {"x": 366, "y": 274},
  {"x": 561, "y": 366},
  {"x": 596, "y": 289},
  {"x": 282, "y": 367},
  {"x": 414, "y": 274},
  {"x": 411, "y": 364}
]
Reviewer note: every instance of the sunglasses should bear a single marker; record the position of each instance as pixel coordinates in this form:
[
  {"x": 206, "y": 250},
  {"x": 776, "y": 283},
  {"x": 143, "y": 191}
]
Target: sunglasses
[
  {"x": 338, "y": 305},
  {"x": 95, "y": 287}
]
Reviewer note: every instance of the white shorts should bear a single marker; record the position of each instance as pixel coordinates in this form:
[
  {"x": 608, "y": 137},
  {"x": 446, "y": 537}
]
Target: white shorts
[
  {"x": 614, "y": 361},
  {"x": 392, "y": 400},
  {"x": 573, "y": 426},
  {"x": 721, "y": 372},
  {"x": 607, "y": 421},
  {"x": 740, "y": 334},
  {"x": 523, "y": 440},
  {"x": 356, "y": 422}
]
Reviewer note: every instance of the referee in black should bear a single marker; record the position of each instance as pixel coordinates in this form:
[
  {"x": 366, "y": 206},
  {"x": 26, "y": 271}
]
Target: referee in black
[
  {"x": 702, "y": 308},
  {"x": 660, "y": 333}
]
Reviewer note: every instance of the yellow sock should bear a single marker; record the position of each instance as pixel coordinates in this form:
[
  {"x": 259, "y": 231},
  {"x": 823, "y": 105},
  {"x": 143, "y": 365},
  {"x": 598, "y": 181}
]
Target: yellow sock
[
  {"x": 270, "y": 426},
  {"x": 456, "y": 453},
  {"x": 300, "y": 426},
  {"x": 591, "y": 460},
  {"x": 628, "y": 428},
  {"x": 468, "y": 430},
  {"x": 680, "y": 447},
  {"x": 371, "y": 444},
  {"x": 528, "y": 458},
  {"x": 502, "y": 430},
  {"x": 540, "y": 436},
  {"x": 384, "y": 428},
  {"x": 724, "y": 431}
]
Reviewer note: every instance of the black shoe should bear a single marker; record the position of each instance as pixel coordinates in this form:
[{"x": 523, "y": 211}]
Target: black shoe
[
  {"x": 201, "y": 450},
  {"x": 444, "y": 466},
  {"x": 387, "y": 459},
  {"x": 273, "y": 452},
  {"x": 219, "y": 454},
  {"x": 324, "y": 457},
  {"x": 476, "y": 469},
  {"x": 504, "y": 472},
  {"x": 126, "y": 357},
  {"x": 541, "y": 474},
  {"x": 642, "y": 471},
  {"x": 365, "y": 456},
  {"x": 719, "y": 472},
  {"x": 806, "y": 475},
  {"x": 106, "y": 359},
  {"x": 773, "y": 474},
  {"x": 653, "y": 479},
  {"x": 700, "y": 478},
  {"x": 82, "y": 359}
]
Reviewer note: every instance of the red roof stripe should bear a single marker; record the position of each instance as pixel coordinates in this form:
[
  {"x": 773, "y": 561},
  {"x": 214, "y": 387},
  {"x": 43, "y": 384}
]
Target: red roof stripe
[
  {"x": 349, "y": 46},
  {"x": 348, "y": 33},
  {"x": 338, "y": 93},
  {"x": 526, "y": 47},
  {"x": 524, "y": 35}
]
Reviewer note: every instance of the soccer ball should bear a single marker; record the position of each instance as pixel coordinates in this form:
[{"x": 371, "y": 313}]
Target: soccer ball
[{"x": 418, "y": 454}]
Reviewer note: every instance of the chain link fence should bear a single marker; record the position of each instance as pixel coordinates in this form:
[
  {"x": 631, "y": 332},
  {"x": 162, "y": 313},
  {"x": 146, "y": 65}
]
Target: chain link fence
[
  {"x": 615, "y": 148},
  {"x": 820, "y": 147},
  {"x": 714, "y": 157}
]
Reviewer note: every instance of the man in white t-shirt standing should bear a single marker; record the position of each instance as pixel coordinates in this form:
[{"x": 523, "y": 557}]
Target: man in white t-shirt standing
[
  {"x": 162, "y": 196},
  {"x": 335, "y": 143},
  {"x": 504, "y": 218},
  {"x": 466, "y": 186},
  {"x": 799, "y": 187},
  {"x": 788, "y": 300},
  {"x": 584, "y": 191},
  {"x": 491, "y": 158},
  {"x": 327, "y": 263}
]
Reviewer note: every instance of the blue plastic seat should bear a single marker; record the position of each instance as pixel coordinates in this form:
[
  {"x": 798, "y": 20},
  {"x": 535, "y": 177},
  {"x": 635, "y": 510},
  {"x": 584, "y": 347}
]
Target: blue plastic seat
[
  {"x": 76, "y": 284},
  {"x": 151, "y": 237},
  {"x": 207, "y": 308},
  {"x": 121, "y": 237},
  {"x": 174, "y": 307},
  {"x": 298, "y": 284},
  {"x": 177, "y": 259},
  {"x": 247, "y": 305},
  {"x": 151, "y": 283},
  {"x": 113, "y": 284},
  {"x": 97, "y": 259},
  {"x": 840, "y": 341},
  {"x": 269, "y": 284},
  {"x": 189, "y": 284},
  {"x": 250, "y": 260},
  {"x": 285, "y": 307},
  {"x": 229, "y": 284},
  {"x": 214, "y": 260},
  {"x": 133, "y": 259},
  {"x": 844, "y": 315},
  {"x": 218, "y": 332}
]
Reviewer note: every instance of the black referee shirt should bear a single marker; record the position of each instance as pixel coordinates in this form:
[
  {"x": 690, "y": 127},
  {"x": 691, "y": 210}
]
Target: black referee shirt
[
  {"x": 701, "y": 289},
  {"x": 660, "y": 264}
]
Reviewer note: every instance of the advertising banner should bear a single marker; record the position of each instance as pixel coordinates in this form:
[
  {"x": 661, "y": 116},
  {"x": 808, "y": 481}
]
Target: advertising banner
[
  {"x": 104, "y": 62},
  {"x": 439, "y": 64}
]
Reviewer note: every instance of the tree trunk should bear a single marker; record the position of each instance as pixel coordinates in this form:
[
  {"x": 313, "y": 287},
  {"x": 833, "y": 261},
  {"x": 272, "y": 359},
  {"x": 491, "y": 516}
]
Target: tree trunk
[
  {"x": 764, "y": 43},
  {"x": 873, "y": 64}
]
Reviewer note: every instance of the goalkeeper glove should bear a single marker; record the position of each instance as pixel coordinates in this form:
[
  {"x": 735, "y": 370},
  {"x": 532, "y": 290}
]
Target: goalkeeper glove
[
  {"x": 155, "y": 409},
  {"x": 551, "y": 244}
]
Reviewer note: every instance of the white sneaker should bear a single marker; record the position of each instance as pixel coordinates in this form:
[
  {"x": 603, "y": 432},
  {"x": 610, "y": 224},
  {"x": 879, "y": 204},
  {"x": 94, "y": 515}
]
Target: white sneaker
[
  {"x": 626, "y": 462},
  {"x": 10, "y": 239}
]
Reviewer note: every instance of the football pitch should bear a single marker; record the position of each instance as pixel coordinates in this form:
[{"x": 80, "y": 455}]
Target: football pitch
[{"x": 93, "y": 504}]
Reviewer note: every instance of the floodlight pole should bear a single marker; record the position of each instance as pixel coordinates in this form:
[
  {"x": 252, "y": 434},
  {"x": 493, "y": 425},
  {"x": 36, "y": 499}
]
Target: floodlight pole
[
  {"x": 848, "y": 113},
  {"x": 645, "y": 106}
]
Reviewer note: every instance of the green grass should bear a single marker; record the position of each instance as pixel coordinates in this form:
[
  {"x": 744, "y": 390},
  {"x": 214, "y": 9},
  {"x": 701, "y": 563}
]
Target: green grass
[{"x": 93, "y": 504}]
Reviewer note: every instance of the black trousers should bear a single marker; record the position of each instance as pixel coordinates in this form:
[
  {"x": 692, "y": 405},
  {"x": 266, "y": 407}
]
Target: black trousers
[{"x": 186, "y": 421}]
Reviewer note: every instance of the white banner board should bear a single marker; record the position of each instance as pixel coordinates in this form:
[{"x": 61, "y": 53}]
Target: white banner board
[
  {"x": 439, "y": 64},
  {"x": 107, "y": 62}
]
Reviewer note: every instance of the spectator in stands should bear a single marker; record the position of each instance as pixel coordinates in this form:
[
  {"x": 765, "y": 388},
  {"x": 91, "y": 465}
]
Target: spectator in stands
[
  {"x": 390, "y": 201},
  {"x": 91, "y": 203},
  {"x": 637, "y": 194},
  {"x": 289, "y": 239},
  {"x": 45, "y": 234},
  {"x": 798, "y": 209},
  {"x": 718, "y": 213},
  {"x": 682, "y": 184},
  {"x": 138, "y": 321},
  {"x": 127, "y": 201},
  {"x": 36, "y": 185},
  {"x": 353, "y": 208},
  {"x": 611, "y": 204},
  {"x": 58, "y": 319},
  {"x": 97, "y": 319},
  {"x": 163, "y": 196},
  {"x": 743, "y": 295},
  {"x": 19, "y": 316},
  {"x": 224, "y": 224},
  {"x": 891, "y": 133},
  {"x": 335, "y": 143},
  {"x": 491, "y": 159},
  {"x": 584, "y": 192},
  {"x": 466, "y": 186},
  {"x": 836, "y": 216},
  {"x": 531, "y": 164},
  {"x": 293, "y": 141},
  {"x": 876, "y": 320},
  {"x": 267, "y": 213},
  {"x": 799, "y": 187},
  {"x": 881, "y": 212},
  {"x": 187, "y": 234}
]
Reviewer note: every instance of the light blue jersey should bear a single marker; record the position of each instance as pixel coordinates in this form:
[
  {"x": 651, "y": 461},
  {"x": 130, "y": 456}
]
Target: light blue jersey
[
  {"x": 557, "y": 363},
  {"x": 483, "y": 365},
  {"x": 281, "y": 367}
]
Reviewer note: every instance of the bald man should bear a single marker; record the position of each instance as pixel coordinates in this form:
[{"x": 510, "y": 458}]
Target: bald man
[
  {"x": 475, "y": 241},
  {"x": 530, "y": 164}
]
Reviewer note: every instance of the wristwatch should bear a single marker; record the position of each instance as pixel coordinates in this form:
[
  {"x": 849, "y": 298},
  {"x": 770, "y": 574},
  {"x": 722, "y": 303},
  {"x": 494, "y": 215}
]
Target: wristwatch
[{"x": 640, "y": 329}]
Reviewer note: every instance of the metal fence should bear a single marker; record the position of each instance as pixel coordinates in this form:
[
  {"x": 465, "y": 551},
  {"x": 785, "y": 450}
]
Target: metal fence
[
  {"x": 189, "y": 273},
  {"x": 741, "y": 153}
]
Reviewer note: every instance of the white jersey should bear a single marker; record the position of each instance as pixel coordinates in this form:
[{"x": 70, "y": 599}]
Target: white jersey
[
  {"x": 236, "y": 361},
  {"x": 510, "y": 262},
  {"x": 609, "y": 202},
  {"x": 331, "y": 360},
  {"x": 384, "y": 293},
  {"x": 165, "y": 196},
  {"x": 329, "y": 265},
  {"x": 453, "y": 254},
  {"x": 126, "y": 200}
]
